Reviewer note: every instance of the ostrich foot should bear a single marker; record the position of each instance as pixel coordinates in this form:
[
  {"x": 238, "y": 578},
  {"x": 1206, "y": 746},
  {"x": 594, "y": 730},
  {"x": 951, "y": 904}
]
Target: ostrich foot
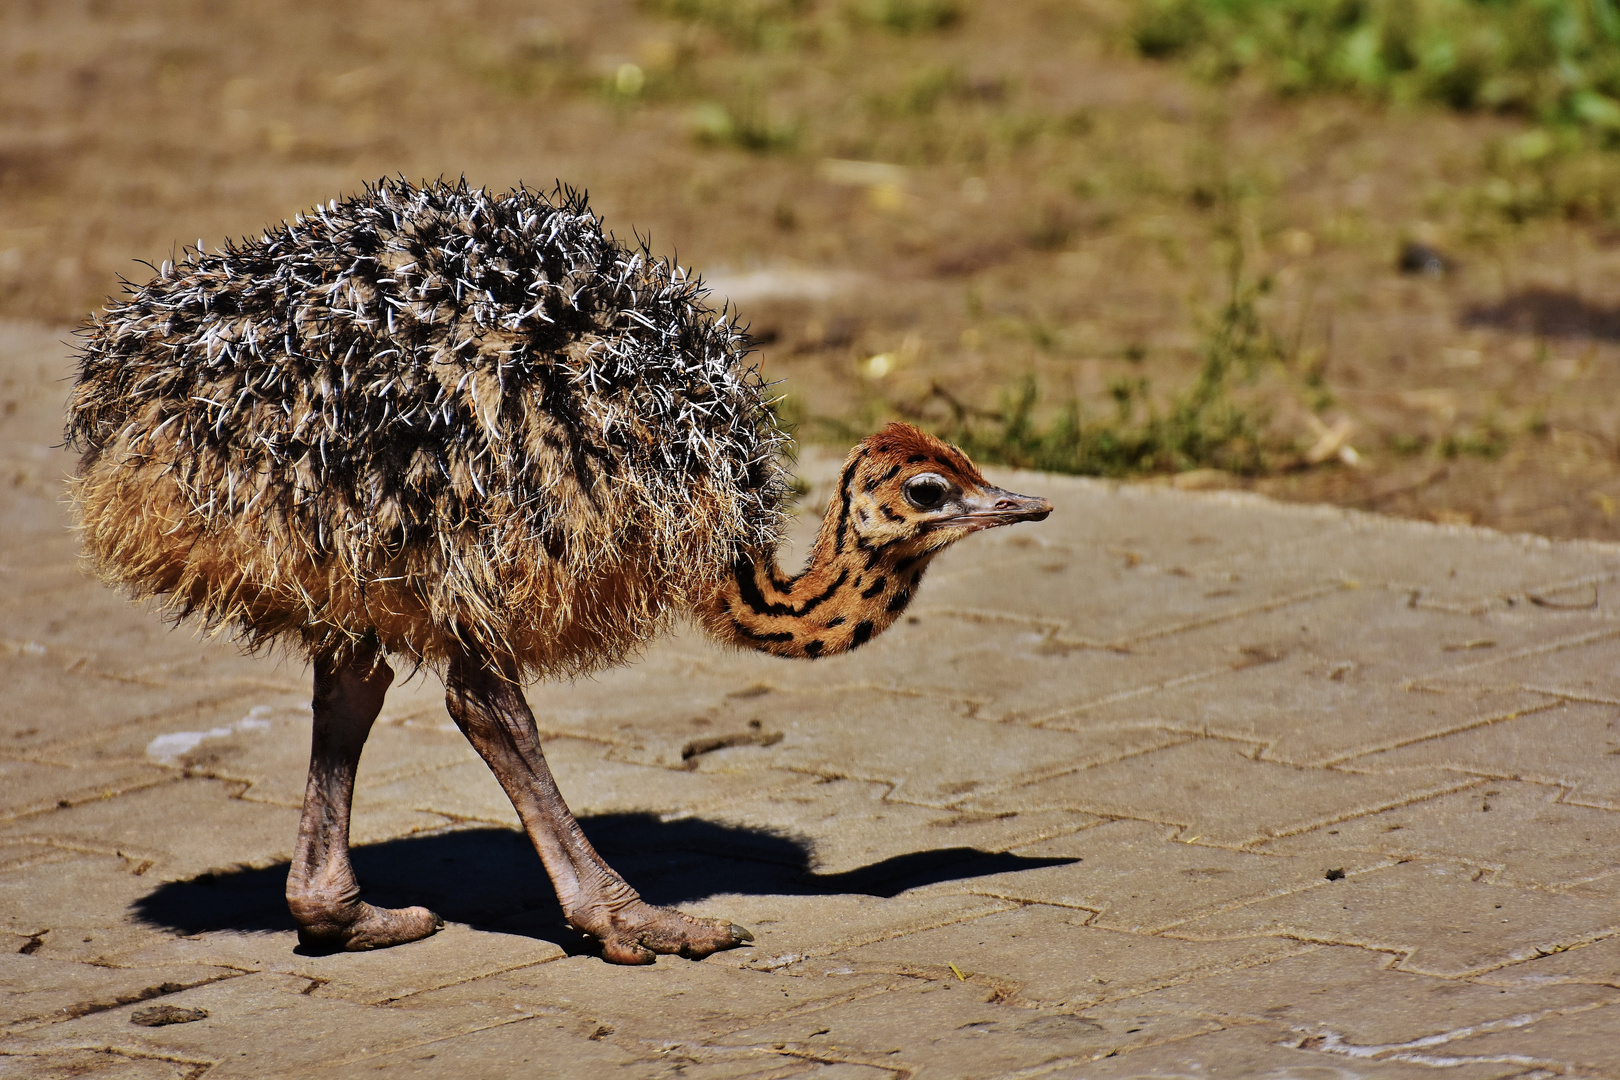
[
  {"x": 636, "y": 932},
  {"x": 358, "y": 927}
]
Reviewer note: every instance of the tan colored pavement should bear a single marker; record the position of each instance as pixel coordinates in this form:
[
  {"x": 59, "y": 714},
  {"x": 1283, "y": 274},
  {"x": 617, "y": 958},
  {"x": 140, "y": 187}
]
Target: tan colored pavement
[{"x": 1170, "y": 785}]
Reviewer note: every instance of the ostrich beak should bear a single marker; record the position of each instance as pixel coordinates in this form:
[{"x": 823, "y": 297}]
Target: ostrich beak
[{"x": 992, "y": 507}]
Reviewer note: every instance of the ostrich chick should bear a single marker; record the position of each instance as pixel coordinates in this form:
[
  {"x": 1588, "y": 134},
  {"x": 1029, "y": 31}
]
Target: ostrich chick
[{"x": 471, "y": 432}]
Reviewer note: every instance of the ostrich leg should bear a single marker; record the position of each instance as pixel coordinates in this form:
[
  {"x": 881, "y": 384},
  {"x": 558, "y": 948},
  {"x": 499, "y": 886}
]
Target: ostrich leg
[
  {"x": 488, "y": 706},
  {"x": 321, "y": 888}
]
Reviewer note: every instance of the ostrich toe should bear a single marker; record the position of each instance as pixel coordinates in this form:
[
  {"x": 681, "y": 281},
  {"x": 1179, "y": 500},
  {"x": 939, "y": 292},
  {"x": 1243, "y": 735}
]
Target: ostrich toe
[
  {"x": 362, "y": 927},
  {"x": 638, "y": 932}
]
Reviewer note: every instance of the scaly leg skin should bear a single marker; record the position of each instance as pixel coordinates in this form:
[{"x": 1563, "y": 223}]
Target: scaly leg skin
[
  {"x": 322, "y": 892},
  {"x": 487, "y": 704}
]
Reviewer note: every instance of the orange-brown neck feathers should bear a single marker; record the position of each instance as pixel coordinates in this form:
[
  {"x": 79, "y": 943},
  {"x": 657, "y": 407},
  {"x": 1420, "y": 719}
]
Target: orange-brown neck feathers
[{"x": 869, "y": 557}]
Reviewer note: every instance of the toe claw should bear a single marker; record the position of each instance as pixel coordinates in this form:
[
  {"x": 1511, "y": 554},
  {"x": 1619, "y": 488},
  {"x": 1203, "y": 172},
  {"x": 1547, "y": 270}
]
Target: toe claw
[{"x": 741, "y": 933}]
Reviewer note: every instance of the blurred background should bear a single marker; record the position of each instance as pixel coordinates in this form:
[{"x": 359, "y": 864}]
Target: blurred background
[{"x": 1362, "y": 251}]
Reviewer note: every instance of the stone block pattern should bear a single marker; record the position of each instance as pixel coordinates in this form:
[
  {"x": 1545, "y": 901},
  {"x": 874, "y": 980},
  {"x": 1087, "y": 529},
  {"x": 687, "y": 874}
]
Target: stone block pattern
[{"x": 1171, "y": 784}]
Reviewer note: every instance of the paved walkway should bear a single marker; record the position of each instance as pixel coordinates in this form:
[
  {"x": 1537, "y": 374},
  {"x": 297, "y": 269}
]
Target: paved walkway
[{"x": 1172, "y": 784}]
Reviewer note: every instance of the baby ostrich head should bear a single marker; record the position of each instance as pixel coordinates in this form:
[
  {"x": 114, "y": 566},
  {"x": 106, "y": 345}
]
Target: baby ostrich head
[{"x": 903, "y": 497}]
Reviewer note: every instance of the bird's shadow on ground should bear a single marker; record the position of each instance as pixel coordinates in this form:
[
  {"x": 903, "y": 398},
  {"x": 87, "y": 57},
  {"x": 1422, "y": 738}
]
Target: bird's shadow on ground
[{"x": 491, "y": 879}]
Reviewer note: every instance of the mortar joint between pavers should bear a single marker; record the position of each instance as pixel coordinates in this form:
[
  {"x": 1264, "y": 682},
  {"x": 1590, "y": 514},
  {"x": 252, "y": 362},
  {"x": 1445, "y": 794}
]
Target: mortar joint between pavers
[
  {"x": 1536, "y": 953},
  {"x": 198, "y": 1065},
  {"x": 1543, "y": 649},
  {"x": 1553, "y": 702},
  {"x": 1068, "y": 712},
  {"x": 317, "y": 982},
  {"x": 1261, "y": 608},
  {"x": 1161, "y": 930},
  {"x": 1092, "y": 913},
  {"x": 984, "y": 615},
  {"x": 804, "y": 1008},
  {"x": 91, "y": 1008},
  {"x": 1366, "y": 811},
  {"x": 68, "y": 803},
  {"x": 1041, "y": 776},
  {"x": 1565, "y": 696},
  {"x": 396, "y": 1048},
  {"x": 960, "y": 918}
]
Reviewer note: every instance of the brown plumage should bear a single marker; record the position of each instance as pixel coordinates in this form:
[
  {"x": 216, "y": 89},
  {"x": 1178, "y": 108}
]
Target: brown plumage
[
  {"x": 474, "y": 432},
  {"x": 427, "y": 413}
]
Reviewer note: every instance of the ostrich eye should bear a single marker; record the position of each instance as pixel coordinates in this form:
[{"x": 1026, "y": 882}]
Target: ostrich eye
[{"x": 926, "y": 491}]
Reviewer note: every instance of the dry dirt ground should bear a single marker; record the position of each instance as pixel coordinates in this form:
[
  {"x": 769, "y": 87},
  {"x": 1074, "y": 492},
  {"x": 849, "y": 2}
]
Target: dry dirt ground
[{"x": 1042, "y": 204}]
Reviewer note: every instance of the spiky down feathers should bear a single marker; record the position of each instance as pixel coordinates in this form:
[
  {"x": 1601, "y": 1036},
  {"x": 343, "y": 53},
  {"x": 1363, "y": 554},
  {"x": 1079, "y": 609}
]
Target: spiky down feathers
[{"x": 429, "y": 414}]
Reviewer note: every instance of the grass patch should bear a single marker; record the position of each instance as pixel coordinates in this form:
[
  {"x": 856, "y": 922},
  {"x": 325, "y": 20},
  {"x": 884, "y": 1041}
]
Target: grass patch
[
  {"x": 1209, "y": 423},
  {"x": 1557, "y": 61},
  {"x": 1553, "y": 62}
]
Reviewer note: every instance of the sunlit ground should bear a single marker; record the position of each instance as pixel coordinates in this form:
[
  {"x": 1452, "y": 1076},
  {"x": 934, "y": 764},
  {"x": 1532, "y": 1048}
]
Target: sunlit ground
[{"x": 922, "y": 210}]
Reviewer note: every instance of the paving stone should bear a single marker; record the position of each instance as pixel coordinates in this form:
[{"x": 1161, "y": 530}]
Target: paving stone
[
  {"x": 1446, "y": 569},
  {"x": 29, "y": 787},
  {"x": 674, "y": 1001},
  {"x": 851, "y": 824},
  {"x": 1210, "y": 533},
  {"x": 97, "y": 1063},
  {"x": 1213, "y": 788},
  {"x": 249, "y": 1031},
  {"x": 1010, "y": 670},
  {"x": 268, "y": 750},
  {"x": 930, "y": 751},
  {"x": 15, "y": 855},
  {"x": 186, "y": 827},
  {"x": 662, "y": 693},
  {"x": 1015, "y": 670},
  {"x": 1006, "y": 666},
  {"x": 590, "y": 782},
  {"x": 454, "y": 955},
  {"x": 1532, "y": 839},
  {"x": 1138, "y": 878},
  {"x": 1578, "y": 665},
  {"x": 1575, "y": 746},
  {"x": 1203, "y": 533},
  {"x": 34, "y": 570},
  {"x": 946, "y": 1028},
  {"x": 130, "y": 644},
  {"x": 685, "y": 1061},
  {"x": 76, "y": 905},
  {"x": 44, "y": 705},
  {"x": 526, "y": 1046},
  {"x": 790, "y": 929},
  {"x": 1354, "y": 997},
  {"x": 1597, "y": 964},
  {"x": 198, "y": 740},
  {"x": 1096, "y": 595},
  {"x": 1264, "y": 1053},
  {"x": 1333, "y": 678},
  {"x": 38, "y": 989},
  {"x": 467, "y": 791},
  {"x": 1042, "y": 955},
  {"x": 1433, "y": 913},
  {"x": 1050, "y": 696},
  {"x": 1579, "y": 1044}
]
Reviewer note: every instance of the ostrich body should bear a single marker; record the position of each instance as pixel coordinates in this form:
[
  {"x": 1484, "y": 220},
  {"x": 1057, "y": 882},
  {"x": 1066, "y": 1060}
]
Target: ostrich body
[{"x": 472, "y": 432}]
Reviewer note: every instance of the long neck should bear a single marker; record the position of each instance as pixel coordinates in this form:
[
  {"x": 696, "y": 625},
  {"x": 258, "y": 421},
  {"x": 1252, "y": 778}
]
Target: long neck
[{"x": 847, "y": 594}]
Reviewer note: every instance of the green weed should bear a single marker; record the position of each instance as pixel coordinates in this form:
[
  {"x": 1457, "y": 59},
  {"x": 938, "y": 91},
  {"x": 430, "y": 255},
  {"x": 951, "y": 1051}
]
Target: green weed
[
  {"x": 908, "y": 16},
  {"x": 755, "y": 24},
  {"x": 1556, "y": 61},
  {"x": 1203, "y": 425},
  {"x": 746, "y": 123}
]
